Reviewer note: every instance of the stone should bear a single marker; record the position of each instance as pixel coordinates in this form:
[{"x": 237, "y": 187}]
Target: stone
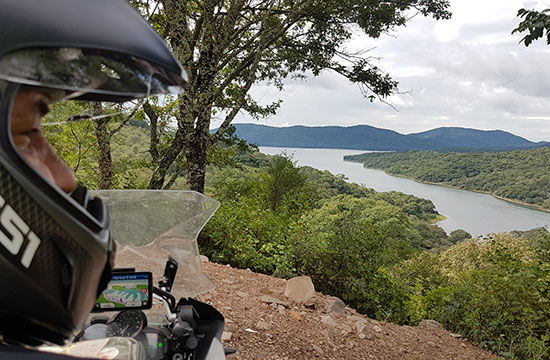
[
  {"x": 263, "y": 325},
  {"x": 317, "y": 349},
  {"x": 356, "y": 319},
  {"x": 430, "y": 324},
  {"x": 335, "y": 306},
  {"x": 271, "y": 300},
  {"x": 330, "y": 336},
  {"x": 363, "y": 331},
  {"x": 344, "y": 329},
  {"x": 327, "y": 320},
  {"x": 377, "y": 329},
  {"x": 300, "y": 290},
  {"x": 241, "y": 294},
  {"x": 226, "y": 336},
  {"x": 456, "y": 336},
  {"x": 204, "y": 258},
  {"x": 432, "y": 344},
  {"x": 281, "y": 309},
  {"x": 266, "y": 291},
  {"x": 295, "y": 315},
  {"x": 310, "y": 303}
]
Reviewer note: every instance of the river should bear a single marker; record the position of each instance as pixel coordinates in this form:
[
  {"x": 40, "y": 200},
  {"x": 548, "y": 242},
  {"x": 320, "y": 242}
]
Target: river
[{"x": 477, "y": 213}]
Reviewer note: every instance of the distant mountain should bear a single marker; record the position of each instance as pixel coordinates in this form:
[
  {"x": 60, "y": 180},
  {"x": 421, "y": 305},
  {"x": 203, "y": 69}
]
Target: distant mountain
[
  {"x": 362, "y": 137},
  {"x": 365, "y": 137},
  {"x": 472, "y": 138}
]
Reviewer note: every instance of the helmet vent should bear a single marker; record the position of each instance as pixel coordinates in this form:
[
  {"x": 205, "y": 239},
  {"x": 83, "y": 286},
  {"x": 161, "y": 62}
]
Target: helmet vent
[{"x": 66, "y": 276}]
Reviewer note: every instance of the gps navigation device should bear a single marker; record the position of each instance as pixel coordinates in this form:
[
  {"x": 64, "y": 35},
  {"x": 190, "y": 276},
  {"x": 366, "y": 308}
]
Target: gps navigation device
[{"x": 126, "y": 291}]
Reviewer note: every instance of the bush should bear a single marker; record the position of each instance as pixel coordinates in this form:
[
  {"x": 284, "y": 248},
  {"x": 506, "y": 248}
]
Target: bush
[
  {"x": 498, "y": 295},
  {"x": 345, "y": 246},
  {"x": 258, "y": 213},
  {"x": 244, "y": 235}
]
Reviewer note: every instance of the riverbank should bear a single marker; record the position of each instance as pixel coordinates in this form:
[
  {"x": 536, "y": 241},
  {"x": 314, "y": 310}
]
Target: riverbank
[
  {"x": 477, "y": 213},
  {"x": 512, "y": 201}
]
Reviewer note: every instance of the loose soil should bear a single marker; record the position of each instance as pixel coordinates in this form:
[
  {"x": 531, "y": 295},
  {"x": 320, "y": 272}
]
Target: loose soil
[
  {"x": 260, "y": 329},
  {"x": 296, "y": 331}
]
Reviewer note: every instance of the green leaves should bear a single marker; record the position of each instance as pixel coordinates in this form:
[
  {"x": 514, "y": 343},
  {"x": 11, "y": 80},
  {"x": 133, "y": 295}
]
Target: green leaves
[
  {"x": 536, "y": 23},
  {"x": 494, "y": 291},
  {"x": 229, "y": 46}
]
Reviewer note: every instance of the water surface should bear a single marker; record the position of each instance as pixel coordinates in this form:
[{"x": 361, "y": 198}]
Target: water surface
[{"x": 476, "y": 213}]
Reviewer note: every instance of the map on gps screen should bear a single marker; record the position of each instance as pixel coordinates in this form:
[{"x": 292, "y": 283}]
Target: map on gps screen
[{"x": 125, "y": 291}]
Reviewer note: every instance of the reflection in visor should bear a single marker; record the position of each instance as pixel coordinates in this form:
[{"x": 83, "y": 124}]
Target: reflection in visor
[
  {"x": 88, "y": 116},
  {"x": 83, "y": 71}
]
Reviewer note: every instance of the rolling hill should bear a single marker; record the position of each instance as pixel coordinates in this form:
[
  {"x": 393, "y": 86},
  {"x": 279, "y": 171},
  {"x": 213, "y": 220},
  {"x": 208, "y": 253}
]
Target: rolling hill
[{"x": 365, "y": 137}]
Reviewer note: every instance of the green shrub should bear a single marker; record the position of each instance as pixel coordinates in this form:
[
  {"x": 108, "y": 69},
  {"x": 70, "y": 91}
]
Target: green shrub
[
  {"x": 345, "y": 247},
  {"x": 498, "y": 296},
  {"x": 244, "y": 235}
]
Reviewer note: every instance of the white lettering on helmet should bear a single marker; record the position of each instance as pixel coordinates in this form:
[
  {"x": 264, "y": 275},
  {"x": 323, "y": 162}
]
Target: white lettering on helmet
[{"x": 17, "y": 230}]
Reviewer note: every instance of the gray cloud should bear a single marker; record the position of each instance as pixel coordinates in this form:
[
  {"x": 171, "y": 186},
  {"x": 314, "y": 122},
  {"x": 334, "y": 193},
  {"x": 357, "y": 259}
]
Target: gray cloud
[{"x": 479, "y": 77}]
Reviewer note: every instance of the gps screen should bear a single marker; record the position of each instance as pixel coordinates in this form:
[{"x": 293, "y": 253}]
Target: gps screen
[{"x": 126, "y": 291}]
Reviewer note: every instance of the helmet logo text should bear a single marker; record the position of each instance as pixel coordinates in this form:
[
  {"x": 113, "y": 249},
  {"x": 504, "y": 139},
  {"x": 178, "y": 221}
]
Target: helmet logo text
[{"x": 17, "y": 229}]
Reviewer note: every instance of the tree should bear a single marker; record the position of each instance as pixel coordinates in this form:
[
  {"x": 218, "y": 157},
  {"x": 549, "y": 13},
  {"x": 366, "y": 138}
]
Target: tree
[
  {"x": 537, "y": 23},
  {"x": 228, "y": 46}
]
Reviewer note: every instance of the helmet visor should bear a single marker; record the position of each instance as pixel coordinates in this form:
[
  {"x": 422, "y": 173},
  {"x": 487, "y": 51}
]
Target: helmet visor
[{"x": 83, "y": 72}]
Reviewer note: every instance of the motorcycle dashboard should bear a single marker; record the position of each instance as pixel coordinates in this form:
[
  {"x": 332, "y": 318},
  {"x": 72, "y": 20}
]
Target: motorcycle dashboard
[{"x": 126, "y": 291}]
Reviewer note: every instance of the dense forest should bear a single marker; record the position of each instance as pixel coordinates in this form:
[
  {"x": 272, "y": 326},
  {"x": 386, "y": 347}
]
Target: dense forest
[
  {"x": 521, "y": 175},
  {"x": 380, "y": 252}
]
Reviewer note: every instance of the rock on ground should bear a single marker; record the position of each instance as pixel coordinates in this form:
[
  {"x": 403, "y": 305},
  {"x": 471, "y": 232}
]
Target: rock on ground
[
  {"x": 287, "y": 330},
  {"x": 300, "y": 290}
]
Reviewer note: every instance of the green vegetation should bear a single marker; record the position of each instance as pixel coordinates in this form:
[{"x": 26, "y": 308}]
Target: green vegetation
[
  {"x": 495, "y": 291},
  {"x": 521, "y": 175},
  {"x": 279, "y": 219},
  {"x": 229, "y": 46},
  {"x": 379, "y": 252},
  {"x": 370, "y": 249}
]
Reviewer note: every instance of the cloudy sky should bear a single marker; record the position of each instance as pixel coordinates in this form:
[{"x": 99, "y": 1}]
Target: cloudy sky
[{"x": 467, "y": 72}]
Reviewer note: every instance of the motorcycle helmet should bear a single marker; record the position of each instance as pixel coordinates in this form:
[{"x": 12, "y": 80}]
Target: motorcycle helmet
[{"x": 56, "y": 250}]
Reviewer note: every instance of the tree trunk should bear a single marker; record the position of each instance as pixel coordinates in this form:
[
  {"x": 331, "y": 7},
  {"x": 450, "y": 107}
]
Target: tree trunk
[
  {"x": 197, "y": 141},
  {"x": 159, "y": 174},
  {"x": 196, "y": 167},
  {"x": 103, "y": 138},
  {"x": 153, "y": 132}
]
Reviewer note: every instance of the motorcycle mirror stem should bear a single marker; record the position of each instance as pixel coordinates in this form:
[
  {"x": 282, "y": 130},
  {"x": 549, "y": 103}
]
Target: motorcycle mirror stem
[{"x": 170, "y": 270}]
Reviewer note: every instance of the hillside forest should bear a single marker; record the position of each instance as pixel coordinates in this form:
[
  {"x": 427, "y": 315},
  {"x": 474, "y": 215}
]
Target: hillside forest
[
  {"x": 382, "y": 253},
  {"x": 520, "y": 175}
]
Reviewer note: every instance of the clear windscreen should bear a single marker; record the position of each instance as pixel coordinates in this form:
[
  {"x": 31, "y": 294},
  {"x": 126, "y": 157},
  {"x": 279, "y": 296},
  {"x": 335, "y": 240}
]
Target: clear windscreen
[{"x": 151, "y": 225}]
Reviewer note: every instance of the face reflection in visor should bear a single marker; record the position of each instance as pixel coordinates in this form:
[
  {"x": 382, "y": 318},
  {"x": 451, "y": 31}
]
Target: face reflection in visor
[{"x": 29, "y": 108}]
